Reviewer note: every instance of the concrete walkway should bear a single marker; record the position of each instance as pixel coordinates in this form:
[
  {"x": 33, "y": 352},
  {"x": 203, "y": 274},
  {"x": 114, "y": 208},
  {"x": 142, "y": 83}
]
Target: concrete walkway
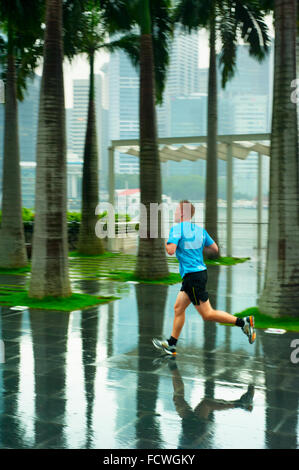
[{"x": 92, "y": 379}]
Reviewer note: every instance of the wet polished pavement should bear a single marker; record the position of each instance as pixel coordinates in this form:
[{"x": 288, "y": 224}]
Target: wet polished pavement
[{"x": 91, "y": 379}]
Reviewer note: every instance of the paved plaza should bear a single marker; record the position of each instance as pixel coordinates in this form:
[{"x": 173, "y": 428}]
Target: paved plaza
[{"x": 91, "y": 379}]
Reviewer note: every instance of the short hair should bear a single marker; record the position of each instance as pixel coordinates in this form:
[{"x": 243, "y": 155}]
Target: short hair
[{"x": 187, "y": 205}]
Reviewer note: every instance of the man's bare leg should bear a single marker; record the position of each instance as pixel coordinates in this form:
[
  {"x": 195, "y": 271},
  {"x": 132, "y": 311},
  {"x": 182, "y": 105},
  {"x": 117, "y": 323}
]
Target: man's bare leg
[
  {"x": 168, "y": 346},
  {"x": 182, "y": 302},
  {"x": 208, "y": 313}
]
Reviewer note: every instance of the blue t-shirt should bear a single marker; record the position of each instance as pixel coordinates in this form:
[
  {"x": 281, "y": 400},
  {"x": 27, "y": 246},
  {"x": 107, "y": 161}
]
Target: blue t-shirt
[{"x": 190, "y": 240}]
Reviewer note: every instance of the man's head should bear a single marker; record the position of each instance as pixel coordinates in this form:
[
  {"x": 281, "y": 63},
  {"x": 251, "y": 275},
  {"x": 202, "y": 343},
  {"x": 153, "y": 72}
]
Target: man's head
[{"x": 184, "y": 211}]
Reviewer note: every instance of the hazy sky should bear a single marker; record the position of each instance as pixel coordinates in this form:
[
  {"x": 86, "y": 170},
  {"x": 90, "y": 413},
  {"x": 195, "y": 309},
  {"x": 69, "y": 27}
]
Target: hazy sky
[{"x": 80, "y": 69}]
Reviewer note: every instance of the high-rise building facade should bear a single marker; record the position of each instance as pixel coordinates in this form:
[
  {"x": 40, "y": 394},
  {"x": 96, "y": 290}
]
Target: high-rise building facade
[
  {"x": 124, "y": 94},
  {"x": 78, "y": 115},
  {"x": 77, "y": 122},
  {"x": 123, "y": 107}
]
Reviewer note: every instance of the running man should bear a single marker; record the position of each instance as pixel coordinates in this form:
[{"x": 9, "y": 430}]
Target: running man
[{"x": 188, "y": 240}]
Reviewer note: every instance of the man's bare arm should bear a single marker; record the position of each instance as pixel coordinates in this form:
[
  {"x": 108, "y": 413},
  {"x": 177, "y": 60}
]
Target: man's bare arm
[
  {"x": 212, "y": 249},
  {"x": 170, "y": 248}
]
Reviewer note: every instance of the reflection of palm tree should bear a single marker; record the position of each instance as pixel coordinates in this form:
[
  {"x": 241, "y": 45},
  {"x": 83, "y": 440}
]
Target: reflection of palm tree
[
  {"x": 89, "y": 332},
  {"x": 151, "y": 301},
  {"x": 282, "y": 404},
  {"x": 196, "y": 423},
  {"x": 228, "y": 306},
  {"x": 210, "y": 329},
  {"x": 10, "y": 394},
  {"x": 110, "y": 329},
  {"x": 49, "y": 338}
]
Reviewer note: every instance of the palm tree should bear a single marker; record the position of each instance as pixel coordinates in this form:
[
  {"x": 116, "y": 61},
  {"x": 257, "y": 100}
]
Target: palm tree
[
  {"x": 49, "y": 274},
  {"x": 92, "y": 37},
  {"x": 280, "y": 295},
  {"x": 227, "y": 20},
  {"x": 20, "y": 22},
  {"x": 85, "y": 33},
  {"x": 153, "y": 22}
]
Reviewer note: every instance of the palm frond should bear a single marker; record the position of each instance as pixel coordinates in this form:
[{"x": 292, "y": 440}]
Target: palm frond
[
  {"x": 130, "y": 43},
  {"x": 73, "y": 26},
  {"x": 253, "y": 28},
  {"x": 22, "y": 34},
  {"x": 162, "y": 34},
  {"x": 228, "y": 34},
  {"x": 192, "y": 14},
  {"x": 117, "y": 15}
]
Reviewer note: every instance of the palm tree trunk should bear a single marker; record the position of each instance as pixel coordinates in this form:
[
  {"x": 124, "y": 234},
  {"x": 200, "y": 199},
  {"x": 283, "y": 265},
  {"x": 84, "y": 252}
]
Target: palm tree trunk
[
  {"x": 151, "y": 261},
  {"x": 49, "y": 274},
  {"x": 12, "y": 239},
  {"x": 88, "y": 242},
  {"x": 297, "y": 69},
  {"x": 281, "y": 289},
  {"x": 212, "y": 160}
]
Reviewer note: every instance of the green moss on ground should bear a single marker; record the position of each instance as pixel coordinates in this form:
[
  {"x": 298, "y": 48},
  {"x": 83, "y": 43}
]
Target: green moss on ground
[
  {"x": 221, "y": 261},
  {"x": 225, "y": 261},
  {"x": 20, "y": 271},
  {"x": 106, "y": 254},
  {"x": 118, "y": 266},
  {"x": 125, "y": 276},
  {"x": 74, "y": 302},
  {"x": 264, "y": 321}
]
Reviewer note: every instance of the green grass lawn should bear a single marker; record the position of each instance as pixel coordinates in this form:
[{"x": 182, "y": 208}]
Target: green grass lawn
[
  {"x": 225, "y": 261},
  {"x": 264, "y": 321},
  {"x": 106, "y": 254},
  {"x": 12, "y": 297},
  {"x": 221, "y": 261},
  {"x": 20, "y": 271},
  {"x": 125, "y": 276}
]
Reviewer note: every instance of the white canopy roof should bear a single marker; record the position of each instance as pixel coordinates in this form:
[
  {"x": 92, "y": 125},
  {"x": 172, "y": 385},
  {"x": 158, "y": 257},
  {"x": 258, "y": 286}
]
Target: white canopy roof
[
  {"x": 193, "y": 152},
  {"x": 195, "y": 147}
]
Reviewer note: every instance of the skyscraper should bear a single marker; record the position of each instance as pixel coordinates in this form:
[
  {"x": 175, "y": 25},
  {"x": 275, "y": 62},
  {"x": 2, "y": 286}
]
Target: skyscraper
[
  {"x": 124, "y": 94},
  {"x": 123, "y": 107},
  {"x": 28, "y": 120}
]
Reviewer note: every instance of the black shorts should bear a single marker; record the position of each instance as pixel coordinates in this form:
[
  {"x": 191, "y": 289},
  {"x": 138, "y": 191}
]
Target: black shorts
[{"x": 194, "y": 284}]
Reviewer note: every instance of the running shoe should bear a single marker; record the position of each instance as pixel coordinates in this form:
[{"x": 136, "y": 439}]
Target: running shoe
[
  {"x": 246, "y": 399},
  {"x": 248, "y": 329},
  {"x": 164, "y": 346}
]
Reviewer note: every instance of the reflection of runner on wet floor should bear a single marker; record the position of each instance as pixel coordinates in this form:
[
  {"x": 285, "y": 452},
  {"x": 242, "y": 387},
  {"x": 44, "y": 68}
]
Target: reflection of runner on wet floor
[
  {"x": 196, "y": 423},
  {"x": 188, "y": 240}
]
